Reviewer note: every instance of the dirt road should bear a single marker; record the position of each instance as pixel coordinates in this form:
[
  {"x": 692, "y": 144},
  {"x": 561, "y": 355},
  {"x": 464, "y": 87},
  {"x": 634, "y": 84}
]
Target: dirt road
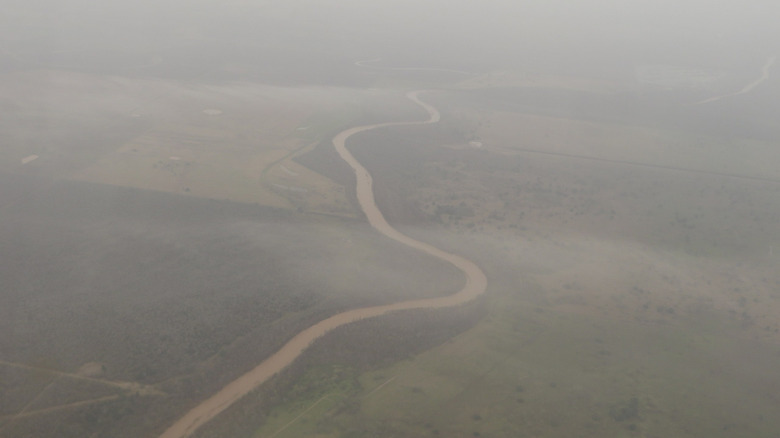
[
  {"x": 475, "y": 284},
  {"x": 133, "y": 387}
]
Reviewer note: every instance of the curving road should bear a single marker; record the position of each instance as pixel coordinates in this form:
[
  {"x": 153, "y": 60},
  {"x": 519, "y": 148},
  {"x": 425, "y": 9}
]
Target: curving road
[{"x": 475, "y": 285}]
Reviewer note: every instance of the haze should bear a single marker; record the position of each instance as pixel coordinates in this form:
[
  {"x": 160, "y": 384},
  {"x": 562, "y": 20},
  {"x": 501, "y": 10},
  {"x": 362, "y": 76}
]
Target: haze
[{"x": 389, "y": 218}]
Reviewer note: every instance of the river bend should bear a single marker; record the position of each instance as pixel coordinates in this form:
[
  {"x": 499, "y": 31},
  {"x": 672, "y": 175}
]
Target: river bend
[{"x": 475, "y": 284}]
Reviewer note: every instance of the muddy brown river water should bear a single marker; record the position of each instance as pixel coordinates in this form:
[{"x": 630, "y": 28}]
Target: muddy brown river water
[{"x": 475, "y": 284}]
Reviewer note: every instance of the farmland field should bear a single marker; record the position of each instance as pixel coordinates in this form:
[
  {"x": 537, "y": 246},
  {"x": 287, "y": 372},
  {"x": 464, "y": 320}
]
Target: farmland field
[{"x": 210, "y": 141}]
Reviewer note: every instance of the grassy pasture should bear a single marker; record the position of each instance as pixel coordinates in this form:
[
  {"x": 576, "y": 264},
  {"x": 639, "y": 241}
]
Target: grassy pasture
[
  {"x": 537, "y": 371},
  {"x": 301, "y": 186},
  {"x": 218, "y": 156}
]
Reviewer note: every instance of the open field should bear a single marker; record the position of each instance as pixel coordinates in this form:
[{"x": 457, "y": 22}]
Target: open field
[
  {"x": 215, "y": 141},
  {"x": 537, "y": 371}
]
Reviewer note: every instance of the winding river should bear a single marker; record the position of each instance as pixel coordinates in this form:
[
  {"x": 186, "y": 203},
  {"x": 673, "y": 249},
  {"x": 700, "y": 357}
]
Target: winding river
[
  {"x": 475, "y": 285},
  {"x": 765, "y": 71}
]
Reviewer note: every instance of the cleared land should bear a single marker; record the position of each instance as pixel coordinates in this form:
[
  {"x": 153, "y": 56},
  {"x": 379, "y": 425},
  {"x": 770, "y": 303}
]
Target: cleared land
[{"x": 214, "y": 141}]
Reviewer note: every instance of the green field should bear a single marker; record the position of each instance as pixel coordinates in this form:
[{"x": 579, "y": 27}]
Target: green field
[{"x": 531, "y": 371}]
